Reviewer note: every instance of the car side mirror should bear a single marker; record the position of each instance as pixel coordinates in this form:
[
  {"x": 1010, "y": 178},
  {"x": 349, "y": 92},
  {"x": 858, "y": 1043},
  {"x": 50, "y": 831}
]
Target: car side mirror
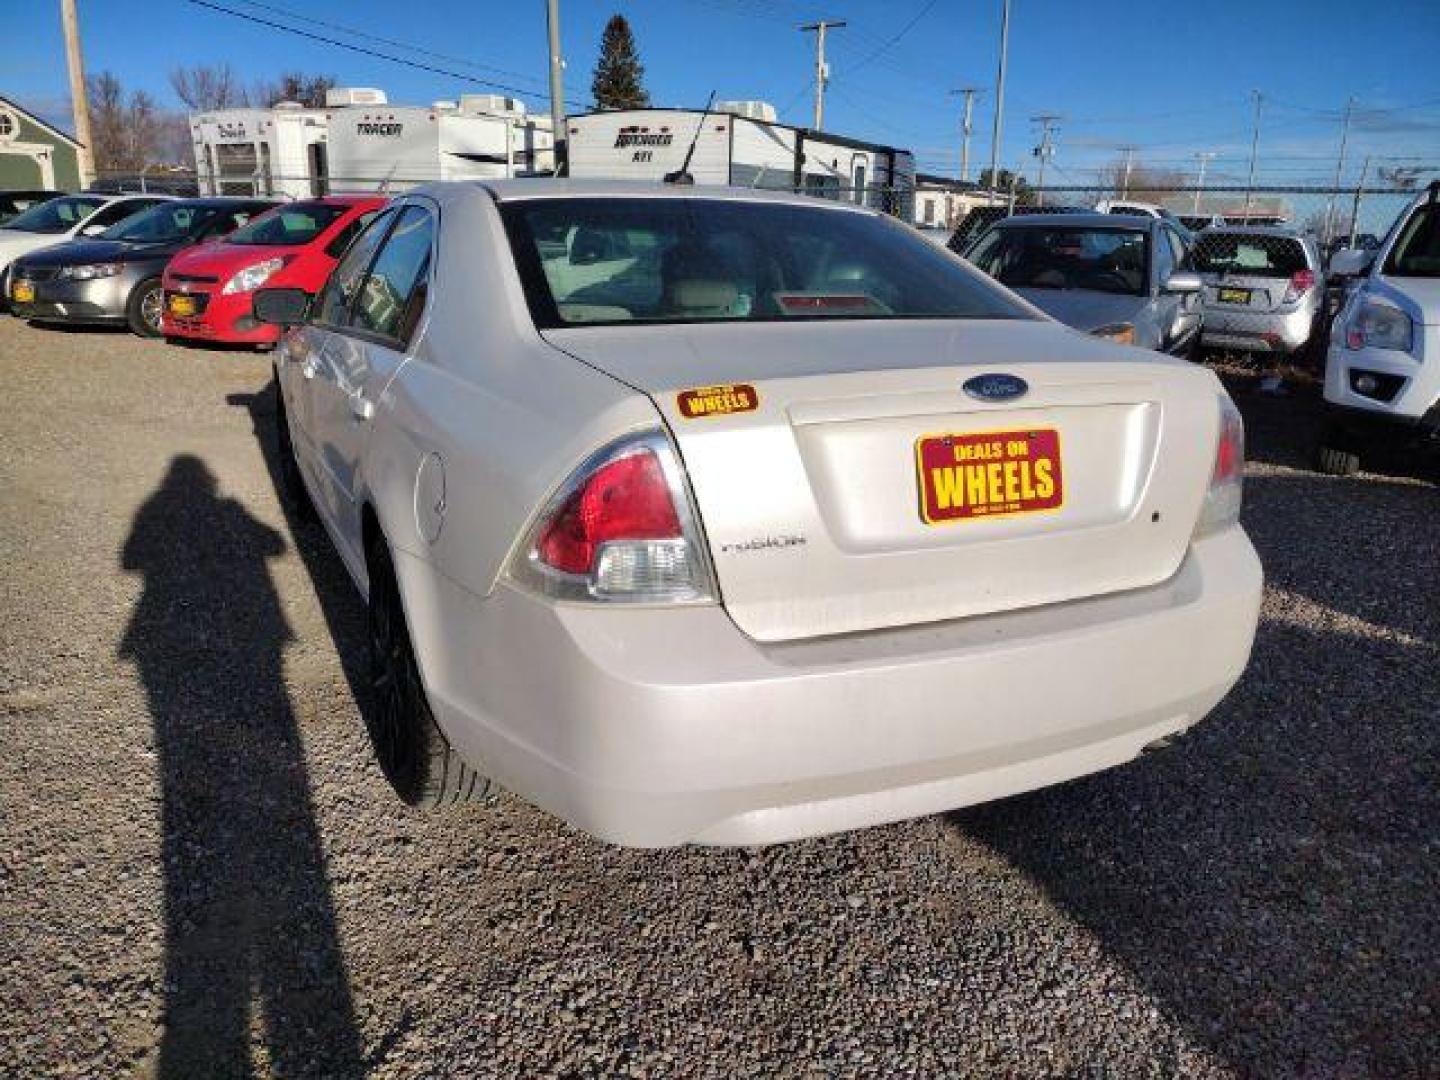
[
  {"x": 1351, "y": 262},
  {"x": 1183, "y": 281},
  {"x": 281, "y": 307}
]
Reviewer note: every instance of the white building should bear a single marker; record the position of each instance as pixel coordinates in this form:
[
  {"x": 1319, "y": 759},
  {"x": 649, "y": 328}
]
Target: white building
[
  {"x": 942, "y": 203},
  {"x": 740, "y": 143}
]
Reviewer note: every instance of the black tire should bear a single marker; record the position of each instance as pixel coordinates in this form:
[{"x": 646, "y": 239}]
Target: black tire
[
  {"x": 144, "y": 308},
  {"x": 413, "y": 753},
  {"x": 1335, "y": 461},
  {"x": 292, "y": 484}
]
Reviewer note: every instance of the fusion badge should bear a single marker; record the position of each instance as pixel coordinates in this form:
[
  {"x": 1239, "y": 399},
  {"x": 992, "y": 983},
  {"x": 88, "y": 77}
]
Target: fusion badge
[
  {"x": 717, "y": 400},
  {"x": 988, "y": 474}
]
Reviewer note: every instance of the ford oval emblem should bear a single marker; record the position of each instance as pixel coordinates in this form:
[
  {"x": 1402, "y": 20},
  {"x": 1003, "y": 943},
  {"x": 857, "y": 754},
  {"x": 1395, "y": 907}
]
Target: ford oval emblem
[{"x": 996, "y": 387}]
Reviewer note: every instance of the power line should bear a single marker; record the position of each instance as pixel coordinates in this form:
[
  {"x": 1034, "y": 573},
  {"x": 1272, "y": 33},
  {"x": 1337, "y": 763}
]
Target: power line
[
  {"x": 362, "y": 50},
  {"x": 924, "y": 10}
]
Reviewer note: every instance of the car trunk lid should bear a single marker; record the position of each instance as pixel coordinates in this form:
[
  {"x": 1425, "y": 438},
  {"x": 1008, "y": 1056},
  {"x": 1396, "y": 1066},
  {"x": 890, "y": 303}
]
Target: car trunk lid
[{"x": 813, "y": 449}]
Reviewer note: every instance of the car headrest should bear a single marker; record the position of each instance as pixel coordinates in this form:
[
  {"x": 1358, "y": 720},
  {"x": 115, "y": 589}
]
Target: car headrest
[{"x": 703, "y": 296}]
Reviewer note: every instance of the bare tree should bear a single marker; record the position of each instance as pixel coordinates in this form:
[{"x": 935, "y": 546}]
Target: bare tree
[
  {"x": 1145, "y": 182},
  {"x": 308, "y": 90},
  {"x": 129, "y": 132},
  {"x": 207, "y": 87}
]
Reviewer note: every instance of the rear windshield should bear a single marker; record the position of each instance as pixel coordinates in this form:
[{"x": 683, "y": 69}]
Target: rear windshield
[
  {"x": 1095, "y": 259},
  {"x": 659, "y": 260},
  {"x": 1252, "y": 256},
  {"x": 55, "y": 216},
  {"x": 1417, "y": 252},
  {"x": 289, "y": 226}
]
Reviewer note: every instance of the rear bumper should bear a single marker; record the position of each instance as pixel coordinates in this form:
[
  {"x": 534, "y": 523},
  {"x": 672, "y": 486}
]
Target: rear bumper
[
  {"x": 1258, "y": 331},
  {"x": 658, "y": 727}
]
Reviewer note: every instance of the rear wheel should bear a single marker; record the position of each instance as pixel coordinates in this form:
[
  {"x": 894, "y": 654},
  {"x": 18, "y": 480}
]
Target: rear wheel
[
  {"x": 413, "y": 753},
  {"x": 144, "y": 309}
]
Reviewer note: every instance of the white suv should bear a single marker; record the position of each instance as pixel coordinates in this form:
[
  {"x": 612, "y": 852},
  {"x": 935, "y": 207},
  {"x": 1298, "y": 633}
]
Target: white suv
[{"x": 1382, "y": 370}]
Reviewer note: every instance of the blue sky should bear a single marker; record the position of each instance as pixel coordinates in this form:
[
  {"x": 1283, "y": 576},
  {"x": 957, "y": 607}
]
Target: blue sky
[{"x": 1172, "y": 79}]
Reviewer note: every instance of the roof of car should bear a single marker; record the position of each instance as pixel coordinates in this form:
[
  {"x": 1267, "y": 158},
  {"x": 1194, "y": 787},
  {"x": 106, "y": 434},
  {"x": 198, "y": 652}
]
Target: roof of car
[
  {"x": 1254, "y": 230},
  {"x": 1130, "y": 222},
  {"x": 548, "y": 188}
]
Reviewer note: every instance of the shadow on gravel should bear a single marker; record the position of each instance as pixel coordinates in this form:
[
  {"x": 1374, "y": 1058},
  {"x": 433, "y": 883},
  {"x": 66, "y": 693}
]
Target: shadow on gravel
[
  {"x": 250, "y": 927},
  {"x": 1272, "y": 878}
]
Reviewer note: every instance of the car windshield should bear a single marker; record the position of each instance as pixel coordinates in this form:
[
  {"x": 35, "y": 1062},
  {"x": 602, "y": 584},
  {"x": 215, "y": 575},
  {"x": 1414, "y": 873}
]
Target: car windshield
[
  {"x": 160, "y": 224},
  {"x": 1248, "y": 255},
  {"x": 288, "y": 226},
  {"x": 55, "y": 216},
  {"x": 1417, "y": 252},
  {"x": 659, "y": 260},
  {"x": 1066, "y": 257}
]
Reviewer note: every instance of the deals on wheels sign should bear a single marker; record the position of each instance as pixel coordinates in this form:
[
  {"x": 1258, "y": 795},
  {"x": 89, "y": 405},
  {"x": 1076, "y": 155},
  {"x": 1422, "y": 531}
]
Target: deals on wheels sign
[{"x": 988, "y": 474}]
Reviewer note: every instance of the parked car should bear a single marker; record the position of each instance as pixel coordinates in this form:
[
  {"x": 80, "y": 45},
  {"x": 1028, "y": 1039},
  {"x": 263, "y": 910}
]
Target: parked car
[
  {"x": 115, "y": 278},
  {"x": 738, "y": 516},
  {"x": 979, "y": 218},
  {"x": 14, "y": 202},
  {"x": 1264, "y": 290},
  {"x": 208, "y": 289},
  {"x": 1195, "y": 222},
  {"x": 1382, "y": 379},
  {"x": 1134, "y": 208},
  {"x": 60, "y": 219},
  {"x": 1116, "y": 276}
]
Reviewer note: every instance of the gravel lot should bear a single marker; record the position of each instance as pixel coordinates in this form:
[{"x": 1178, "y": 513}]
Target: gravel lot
[{"x": 203, "y": 874}]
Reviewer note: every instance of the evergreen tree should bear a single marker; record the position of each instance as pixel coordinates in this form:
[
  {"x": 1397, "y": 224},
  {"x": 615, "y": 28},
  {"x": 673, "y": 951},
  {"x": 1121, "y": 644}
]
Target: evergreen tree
[{"x": 618, "y": 73}]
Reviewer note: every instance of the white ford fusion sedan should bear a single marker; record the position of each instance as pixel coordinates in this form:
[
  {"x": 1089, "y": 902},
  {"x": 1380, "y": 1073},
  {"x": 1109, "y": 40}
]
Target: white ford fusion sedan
[{"x": 722, "y": 516}]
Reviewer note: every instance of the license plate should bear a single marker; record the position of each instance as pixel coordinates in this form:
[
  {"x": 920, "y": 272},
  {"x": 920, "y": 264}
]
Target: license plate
[
  {"x": 22, "y": 292},
  {"x": 1235, "y": 296},
  {"x": 989, "y": 474},
  {"x": 182, "y": 306}
]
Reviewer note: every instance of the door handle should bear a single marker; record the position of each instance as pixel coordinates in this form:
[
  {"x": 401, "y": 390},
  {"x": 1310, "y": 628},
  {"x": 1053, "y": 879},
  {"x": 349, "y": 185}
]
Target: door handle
[{"x": 361, "y": 407}]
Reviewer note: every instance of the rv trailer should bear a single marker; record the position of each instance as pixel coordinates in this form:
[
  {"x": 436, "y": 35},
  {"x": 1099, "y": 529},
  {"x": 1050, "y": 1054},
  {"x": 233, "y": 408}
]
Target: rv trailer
[
  {"x": 277, "y": 151},
  {"x": 740, "y": 143}
]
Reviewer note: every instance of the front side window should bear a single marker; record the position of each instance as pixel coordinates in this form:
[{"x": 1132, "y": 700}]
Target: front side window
[
  {"x": 340, "y": 242},
  {"x": 288, "y": 226},
  {"x": 393, "y": 294},
  {"x": 55, "y": 216},
  {"x": 1253, "y": 255},
  {"x": 1417, "y": 252},
  {"x": 333, "y": 307},
  {"x": 675, "y": 260},
  {"x": 1064, "y": 257}
]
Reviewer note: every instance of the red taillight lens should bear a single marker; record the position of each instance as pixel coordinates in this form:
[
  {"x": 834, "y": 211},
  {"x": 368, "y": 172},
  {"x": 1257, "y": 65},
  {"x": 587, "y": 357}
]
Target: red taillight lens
[
  {"x": 1230, "y": 452},
  {"x": 1222, "y": 499},
  {"x": 1301, "y": 282},
  {"x": 625, "y": 499}
]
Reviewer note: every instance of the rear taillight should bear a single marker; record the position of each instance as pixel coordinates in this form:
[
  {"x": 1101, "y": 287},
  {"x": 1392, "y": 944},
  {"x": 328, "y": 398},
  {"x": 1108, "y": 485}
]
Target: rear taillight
[
  {"x": 1224, "y": 495},
  {"x": 621, "y": 528},
  {"x": 1301, "y": 282}
]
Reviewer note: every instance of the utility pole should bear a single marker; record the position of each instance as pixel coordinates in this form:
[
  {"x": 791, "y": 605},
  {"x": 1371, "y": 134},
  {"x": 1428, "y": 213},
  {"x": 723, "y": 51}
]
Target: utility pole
[
  {"x": 1046, "y": 150},
  {"x": 822, "y": 69},
  {"x": 969, "y": 92},
  {"x": 1203, "y": 157},
  {"x": 1355, "y": 210},
  {"x": 1000, "y": 97},
  {"x": 1339, "y": 168},
  {"x": 1254, "y": 147},
  {"x": 1129, "y": 152},
  {"x": 79, "y": 100},
  {"x": 557, "y": 90}
]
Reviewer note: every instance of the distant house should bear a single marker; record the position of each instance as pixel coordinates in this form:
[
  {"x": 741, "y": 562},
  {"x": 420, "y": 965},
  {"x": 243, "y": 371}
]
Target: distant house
[
  {"x": 941, "y": 203},
  {"x": 33, "y": 154}
]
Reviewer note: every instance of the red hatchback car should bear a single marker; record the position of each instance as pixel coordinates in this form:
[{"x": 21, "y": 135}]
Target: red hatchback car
[{"x": 209, "y": 289}]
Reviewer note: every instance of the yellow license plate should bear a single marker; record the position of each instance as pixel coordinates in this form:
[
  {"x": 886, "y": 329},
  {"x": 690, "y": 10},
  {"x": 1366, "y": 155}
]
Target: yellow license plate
[
  {"x": 182, "y": 306},
  {"x": 22, "y": 292},
  {"x": 1235, "y": 296},
  {"x": 988, "y": 474}
]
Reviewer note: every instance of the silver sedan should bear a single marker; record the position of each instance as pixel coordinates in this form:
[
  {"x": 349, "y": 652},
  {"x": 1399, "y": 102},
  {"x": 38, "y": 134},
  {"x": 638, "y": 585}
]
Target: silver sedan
[{"x": 724, "y": 516}]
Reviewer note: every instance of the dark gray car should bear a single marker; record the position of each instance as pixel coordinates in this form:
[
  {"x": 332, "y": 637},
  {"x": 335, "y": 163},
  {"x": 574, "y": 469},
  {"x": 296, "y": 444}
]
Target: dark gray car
[
  {"x": 1111, "y": 275},
  {"x": 115, "y": 277}
]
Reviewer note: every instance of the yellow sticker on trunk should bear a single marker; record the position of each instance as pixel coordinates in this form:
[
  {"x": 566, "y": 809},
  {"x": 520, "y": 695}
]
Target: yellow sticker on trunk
[{"x": 717, "y": 400}]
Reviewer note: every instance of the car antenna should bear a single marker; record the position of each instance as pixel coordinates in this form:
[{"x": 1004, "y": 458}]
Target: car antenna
[{"x": 682, "y": 174}]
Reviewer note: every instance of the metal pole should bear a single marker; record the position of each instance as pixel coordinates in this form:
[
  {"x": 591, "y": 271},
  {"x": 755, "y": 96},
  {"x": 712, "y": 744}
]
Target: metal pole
[
  {"x": 822, "y": 73},
  {"x": 1045, "y": 149},
  {"x": 965, "y": 127},
  {"x": 1339, "y": 168},
  {"x": 557, "y": 90},
  {"x": 1000, "y": 98},
  {"x": 1204, "y": 156},
  {"x": 79, "y": 101},
  {"x": 1254, "y": 147},
  {"x": 1129, "y": 163},
  {"x": 1355, "y": 210}
]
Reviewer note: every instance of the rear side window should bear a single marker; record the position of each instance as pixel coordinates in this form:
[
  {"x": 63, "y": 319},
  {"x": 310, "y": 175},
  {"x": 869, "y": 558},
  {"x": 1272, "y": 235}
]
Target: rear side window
[
  {"x": 1255, "y": 256},
  {"x": 1417, "y": 252}
]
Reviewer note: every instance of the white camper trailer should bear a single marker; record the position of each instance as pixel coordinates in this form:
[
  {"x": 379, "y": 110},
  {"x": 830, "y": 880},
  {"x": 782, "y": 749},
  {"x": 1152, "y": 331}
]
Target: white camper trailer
[
  {"x": 395, "y": 147},
  {"x": 741, "y": 143},
  {"x": 279, "y": 151}
]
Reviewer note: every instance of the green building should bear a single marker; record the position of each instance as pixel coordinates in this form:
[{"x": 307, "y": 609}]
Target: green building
[{"x": 33, "y": 154}]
